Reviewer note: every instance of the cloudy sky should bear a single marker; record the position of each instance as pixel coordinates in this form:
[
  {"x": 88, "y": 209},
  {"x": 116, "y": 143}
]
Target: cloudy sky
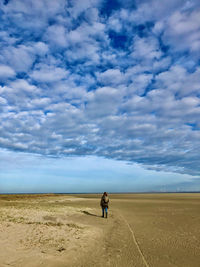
[{"x": 99, "y": 95}]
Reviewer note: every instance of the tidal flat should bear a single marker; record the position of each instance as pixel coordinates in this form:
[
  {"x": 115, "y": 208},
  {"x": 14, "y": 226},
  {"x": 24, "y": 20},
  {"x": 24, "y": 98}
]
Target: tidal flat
[{"x": 68, "y": 230}]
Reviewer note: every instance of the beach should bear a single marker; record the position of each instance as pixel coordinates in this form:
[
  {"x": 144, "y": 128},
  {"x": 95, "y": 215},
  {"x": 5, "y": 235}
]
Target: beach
[{"x": 68, "y": 230}]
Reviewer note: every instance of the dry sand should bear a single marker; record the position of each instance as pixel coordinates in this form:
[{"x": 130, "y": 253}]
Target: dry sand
[{"x": 62, "y": 230}]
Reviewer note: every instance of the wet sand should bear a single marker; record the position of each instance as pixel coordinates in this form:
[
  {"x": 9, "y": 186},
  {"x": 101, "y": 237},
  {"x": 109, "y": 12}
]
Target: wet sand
[{"x": 67, "y": 230}]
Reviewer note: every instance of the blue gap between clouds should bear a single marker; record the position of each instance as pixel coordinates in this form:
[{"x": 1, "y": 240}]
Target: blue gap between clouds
[
  {"x": 109, "y": 6},
  {"x": 193, "y": 126},
  {"x": 118, "y": 41},
  {"x": 143, "y": 30}
]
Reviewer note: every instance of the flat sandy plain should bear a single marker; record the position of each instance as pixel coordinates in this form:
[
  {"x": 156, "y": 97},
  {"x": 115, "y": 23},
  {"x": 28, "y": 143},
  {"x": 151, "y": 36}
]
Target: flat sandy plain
[{"x": 67, "y": 230}]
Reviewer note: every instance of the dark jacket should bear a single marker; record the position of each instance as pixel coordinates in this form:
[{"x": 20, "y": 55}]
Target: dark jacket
[{"x": 104, "y": 201}]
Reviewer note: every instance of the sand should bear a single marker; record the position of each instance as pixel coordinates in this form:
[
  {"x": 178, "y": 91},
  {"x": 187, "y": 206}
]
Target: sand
[{"x": 67, "y": 230}]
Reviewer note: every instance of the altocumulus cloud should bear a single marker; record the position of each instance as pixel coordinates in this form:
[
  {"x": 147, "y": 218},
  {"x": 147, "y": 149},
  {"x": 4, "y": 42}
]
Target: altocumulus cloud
[{"x": 115, "y": 79}]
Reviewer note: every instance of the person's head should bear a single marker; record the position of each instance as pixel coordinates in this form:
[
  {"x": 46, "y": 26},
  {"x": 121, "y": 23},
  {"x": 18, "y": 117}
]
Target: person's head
[{"x": 105, "y": 193}]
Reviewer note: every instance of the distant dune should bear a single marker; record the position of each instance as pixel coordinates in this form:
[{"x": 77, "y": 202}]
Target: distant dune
[{"x": 67, "y": 230}]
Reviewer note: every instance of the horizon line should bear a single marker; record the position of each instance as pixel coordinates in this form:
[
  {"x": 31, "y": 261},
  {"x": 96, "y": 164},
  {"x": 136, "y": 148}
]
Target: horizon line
[{"x": 90, "y": 193}]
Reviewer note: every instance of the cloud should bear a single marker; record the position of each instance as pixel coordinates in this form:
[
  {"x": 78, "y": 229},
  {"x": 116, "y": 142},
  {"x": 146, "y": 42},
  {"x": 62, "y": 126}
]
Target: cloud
[
  {"x": 110, "y": 77},
  {"x": 22, "y": 85},
  {"x": 6, "y": 72},
  {"x": 3, "y": 101},
  {"x": 178, "y": 80},
  {"x": 45, "y": 73},
  {"x": 104, "y": 101},
  {"x": 56, "y": 35},
  {"x": 183, "y": 30},
  {"x": 78, "y": 8},
  {"x": 20, "y": 58},
  {"x": 146, "y": 48},
  {"x": 116, "y": 81}
]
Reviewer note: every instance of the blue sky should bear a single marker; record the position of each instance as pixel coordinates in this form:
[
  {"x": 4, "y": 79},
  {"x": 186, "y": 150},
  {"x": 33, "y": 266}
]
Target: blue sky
[{"x": 99, "y": 95}]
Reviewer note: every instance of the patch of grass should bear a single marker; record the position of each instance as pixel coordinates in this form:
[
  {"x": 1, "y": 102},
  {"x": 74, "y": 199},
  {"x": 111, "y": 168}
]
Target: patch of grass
[
  {"x": 73, "y": 225},
  {"x": 9, "y": 218},
  {"x": 46, "y": 223}
]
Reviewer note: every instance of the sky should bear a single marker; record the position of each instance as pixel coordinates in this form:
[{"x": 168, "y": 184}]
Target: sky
[{"x": 99, "y": 95}]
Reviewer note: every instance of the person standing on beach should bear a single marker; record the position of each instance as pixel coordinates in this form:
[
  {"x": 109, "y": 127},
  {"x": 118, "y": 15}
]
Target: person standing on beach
[{"x": 104, "y": 204}]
